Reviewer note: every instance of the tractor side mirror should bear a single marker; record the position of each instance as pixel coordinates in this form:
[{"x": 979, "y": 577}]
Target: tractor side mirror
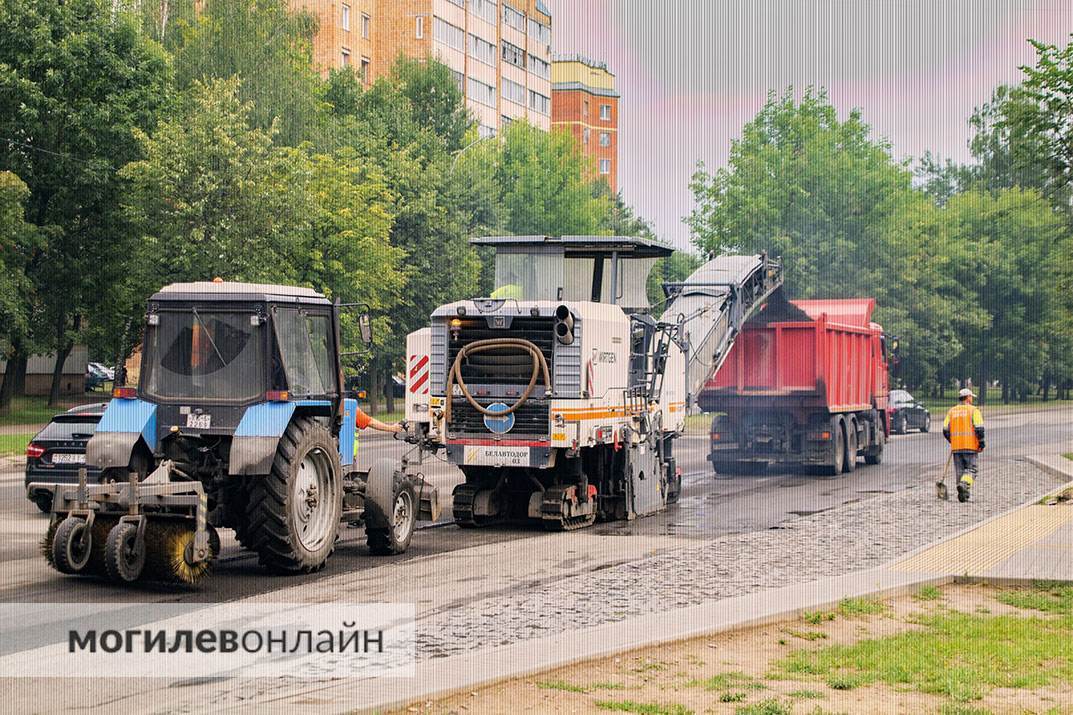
[{"x": 365, "y": 328}]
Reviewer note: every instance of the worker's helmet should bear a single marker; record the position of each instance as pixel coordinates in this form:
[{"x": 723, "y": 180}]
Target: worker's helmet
[{"x": 966, "y": 392}]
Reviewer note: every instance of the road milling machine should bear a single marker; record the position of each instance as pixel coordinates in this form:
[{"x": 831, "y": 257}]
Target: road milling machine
[{"x": 560, "y": 396}]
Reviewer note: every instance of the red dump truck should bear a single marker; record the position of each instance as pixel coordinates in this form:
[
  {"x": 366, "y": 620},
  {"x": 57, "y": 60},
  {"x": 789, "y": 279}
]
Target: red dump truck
[{"x": 805, "y": 384}]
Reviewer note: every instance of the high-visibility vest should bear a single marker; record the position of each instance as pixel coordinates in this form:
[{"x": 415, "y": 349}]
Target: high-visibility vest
[{"x": 962, "y": 421}]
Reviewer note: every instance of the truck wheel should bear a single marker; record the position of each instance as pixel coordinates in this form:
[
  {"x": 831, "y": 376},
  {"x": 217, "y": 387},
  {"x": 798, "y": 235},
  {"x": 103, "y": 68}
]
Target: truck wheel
[
  {"x": 849, "y": 464},
  {"x": 874, "y": 454},
  {"x": 837, "y": 448},
  {"x": 294, "y": 511},
  {"x": 390, "y": 510}
]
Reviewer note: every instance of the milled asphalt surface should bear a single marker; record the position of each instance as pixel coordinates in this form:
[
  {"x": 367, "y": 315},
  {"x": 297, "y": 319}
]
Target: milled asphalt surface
[{"x": 482, "y": 589}]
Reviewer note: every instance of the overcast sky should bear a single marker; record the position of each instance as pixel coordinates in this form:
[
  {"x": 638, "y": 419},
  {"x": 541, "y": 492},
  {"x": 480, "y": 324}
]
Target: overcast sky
[{"x": 692, "y": 72}]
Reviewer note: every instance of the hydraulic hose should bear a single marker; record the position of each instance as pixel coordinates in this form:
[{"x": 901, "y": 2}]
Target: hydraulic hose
[{"x": 540, "y": 367}]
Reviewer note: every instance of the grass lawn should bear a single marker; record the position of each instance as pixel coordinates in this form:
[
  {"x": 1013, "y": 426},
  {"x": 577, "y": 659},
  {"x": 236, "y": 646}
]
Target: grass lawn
[
  {"x": 957, "y": 650},
  {"x": 938, "y": 407},
  {"x": 35, "y": 410},
  {"x": 14, "y": 444}
]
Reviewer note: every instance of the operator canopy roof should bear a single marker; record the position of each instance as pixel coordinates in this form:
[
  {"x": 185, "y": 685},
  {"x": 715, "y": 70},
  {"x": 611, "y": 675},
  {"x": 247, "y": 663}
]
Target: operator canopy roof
[
  {"x": 600, "y": 269},
  {"x": 233, "y": 291}
]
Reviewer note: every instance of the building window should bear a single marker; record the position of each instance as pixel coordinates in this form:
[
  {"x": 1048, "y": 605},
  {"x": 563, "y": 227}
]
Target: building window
[
  {"x": 481, "y": 92},
  {"x": 513, "y": 92},
  {"x": 505, "y": 120},
  {"x": 585, "y": 135},
  {"x": 484, "y": 9},
  {"x": 365, "y": 25},
  {"x": 460, "y": 3},
  {"x": 605, "y": 112},
  {"x": 539, "y": 32},
  {"x": 482, "y": 50},
  {"x": 539, "y": 67},
  {"x": 585, "y": 108},
  {"x": 538, "y": 102},
  {"x": 605, "y": 166},
  {"x": 419, "y": 28},
  {"x": 365, "y": 68},
  {"x": 513, "y": 18},
  {"x": 513, "y": 54},
  {"x": 344, "y": 58},
  {"x": 605, "y": 138},
  {"x": 346, "y": 18},
  {"x": 460, "y": 81},
  {"x": 448, "y": 34},
  {"x": 485, "y": 132}
]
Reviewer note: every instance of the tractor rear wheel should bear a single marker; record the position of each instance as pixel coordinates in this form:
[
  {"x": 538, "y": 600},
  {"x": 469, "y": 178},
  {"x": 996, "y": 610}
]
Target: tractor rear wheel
[{"x": 293, "y": 512}]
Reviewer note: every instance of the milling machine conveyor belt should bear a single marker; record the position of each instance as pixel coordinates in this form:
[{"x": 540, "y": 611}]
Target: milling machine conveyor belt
[{"x": 711, "y": 306}]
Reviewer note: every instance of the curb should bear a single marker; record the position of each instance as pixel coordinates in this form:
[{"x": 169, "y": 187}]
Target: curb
[{"x": 1055, "y": 470}]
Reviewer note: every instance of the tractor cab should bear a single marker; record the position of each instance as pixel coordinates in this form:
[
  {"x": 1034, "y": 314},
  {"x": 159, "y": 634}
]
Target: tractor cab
[
  {"x": 599, "y": 269},
  {"x": 213, "y": 349}
]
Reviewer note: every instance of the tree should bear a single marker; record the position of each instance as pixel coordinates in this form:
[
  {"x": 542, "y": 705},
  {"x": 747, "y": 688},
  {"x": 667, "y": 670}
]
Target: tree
[
  {"x": 18, "y": 239},
  {"x": 826, "y": 197},
  {"x": 544, "y": 184},
  {"x": 269, "y": 48},
  {"x": 75, "y": 82},
  {"x": 1005, "y": 246},
  {"x": 1045, "y": 116}
]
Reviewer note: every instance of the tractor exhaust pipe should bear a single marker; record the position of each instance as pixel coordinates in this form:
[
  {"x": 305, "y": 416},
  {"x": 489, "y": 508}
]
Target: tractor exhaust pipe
[{"x": 564, "y": 325}]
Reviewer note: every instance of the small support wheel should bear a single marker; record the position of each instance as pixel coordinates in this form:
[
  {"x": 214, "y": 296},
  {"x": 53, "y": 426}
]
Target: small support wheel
[
  {"x": 395, "y": 538},
  {"x": 72, "y": 545},
  {"x": 124, "y": 553}
]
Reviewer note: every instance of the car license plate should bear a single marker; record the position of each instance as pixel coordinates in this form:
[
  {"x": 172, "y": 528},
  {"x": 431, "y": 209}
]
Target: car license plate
[
  {"x": 199, "y": 421},
  {"x": 68, "y": 458},
  {"x": 497, "y": 456}
]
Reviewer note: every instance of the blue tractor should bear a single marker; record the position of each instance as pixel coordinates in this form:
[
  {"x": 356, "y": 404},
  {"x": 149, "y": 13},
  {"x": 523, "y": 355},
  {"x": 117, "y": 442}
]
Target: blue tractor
[{"x": 238, "y": 420}]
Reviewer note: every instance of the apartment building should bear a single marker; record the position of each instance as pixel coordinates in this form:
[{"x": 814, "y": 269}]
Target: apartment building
[
  {"x": 585, "y": 103},
  {"x": 498, "y": 50}
]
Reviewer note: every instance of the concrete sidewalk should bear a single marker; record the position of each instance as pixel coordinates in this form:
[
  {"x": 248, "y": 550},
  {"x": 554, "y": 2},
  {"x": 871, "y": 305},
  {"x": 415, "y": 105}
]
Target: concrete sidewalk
[{"x": 1032, "y": 542}]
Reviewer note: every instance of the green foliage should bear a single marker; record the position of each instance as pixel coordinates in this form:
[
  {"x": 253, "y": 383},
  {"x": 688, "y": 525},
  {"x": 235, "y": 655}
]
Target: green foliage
[
  {"x": 1048, "y": 90},
  {"x": 631, "y": 706},
  {"x": 726, "y": 681},
  {"x": 1054, "y": 598},
  {"x": 928, "y": 593},
  {"x": 14, "y": 444},
  {"x": 957, "y": 655},
  {"x": 215, "y": 197},
  {"x": 561, "y": 685},
  {"x": 269, "y": 48},
  {"x": 75, "y": 84},
  {"x": 543, "y": 185},
  {"x": 18, "y": 239},
  {"x": 861, "y": 607},
  {"x": 770, "y": 706}
]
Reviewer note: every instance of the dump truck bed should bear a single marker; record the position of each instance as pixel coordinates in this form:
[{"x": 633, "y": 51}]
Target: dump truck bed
[{"x": 805, "y": 353}]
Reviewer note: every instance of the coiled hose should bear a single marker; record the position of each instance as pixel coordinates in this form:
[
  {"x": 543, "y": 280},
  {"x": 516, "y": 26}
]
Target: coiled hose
[{"x": 540, "y": 366}]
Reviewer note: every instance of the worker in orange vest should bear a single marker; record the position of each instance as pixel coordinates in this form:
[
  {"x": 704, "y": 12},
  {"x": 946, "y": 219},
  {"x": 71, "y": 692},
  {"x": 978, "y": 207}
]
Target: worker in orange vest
[{"x": 964, "y": 430}]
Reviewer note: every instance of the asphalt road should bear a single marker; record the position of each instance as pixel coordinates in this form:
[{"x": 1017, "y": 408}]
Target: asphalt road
[{"x": 710, "y": 506}]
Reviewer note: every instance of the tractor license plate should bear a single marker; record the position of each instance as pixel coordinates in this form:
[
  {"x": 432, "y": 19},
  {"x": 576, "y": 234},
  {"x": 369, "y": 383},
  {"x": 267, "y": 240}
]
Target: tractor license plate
[
  {"x": 199, "y": 421},
  {"x": 68, "y": 459},
  {"x": 497, "y": 456}
]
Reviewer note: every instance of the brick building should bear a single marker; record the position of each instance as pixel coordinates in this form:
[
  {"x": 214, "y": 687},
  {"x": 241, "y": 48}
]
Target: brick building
[
  {"x": 584, "y": 102},
  {"x": 499, "y": 51}
]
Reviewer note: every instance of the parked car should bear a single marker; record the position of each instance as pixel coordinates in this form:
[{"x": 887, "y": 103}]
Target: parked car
[
  {"x": 58, "y": 451},
  {"x": 108, "y": 372},
  {"x": 96, "y": 376},
  {"x": 906, "y": 413}
]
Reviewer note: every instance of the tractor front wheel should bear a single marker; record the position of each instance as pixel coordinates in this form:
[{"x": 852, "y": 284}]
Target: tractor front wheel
[{"x": 293, "y": 513}]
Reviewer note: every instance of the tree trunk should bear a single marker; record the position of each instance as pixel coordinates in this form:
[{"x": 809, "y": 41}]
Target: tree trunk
[
  {"x": 1005, "y": 392},
  {"x": 983, "y": 390},
  {"x": 20, "y": 375},
  {"x": 389, "y": 390},
  {"x": 57, "y": 372},
  {"x": 374, "y": 375},
  {"x": 7, "y": 387}
]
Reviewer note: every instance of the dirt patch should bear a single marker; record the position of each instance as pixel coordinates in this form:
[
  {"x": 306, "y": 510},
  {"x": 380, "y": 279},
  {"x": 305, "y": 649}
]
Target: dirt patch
[{"x": 746, "y": 671}]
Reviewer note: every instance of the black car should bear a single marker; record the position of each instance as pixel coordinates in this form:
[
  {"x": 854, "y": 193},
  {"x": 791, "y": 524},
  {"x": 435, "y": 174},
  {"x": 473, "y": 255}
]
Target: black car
[
  {"x": 906, "y": 413},
  {"x": 56, "y": 453}
]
